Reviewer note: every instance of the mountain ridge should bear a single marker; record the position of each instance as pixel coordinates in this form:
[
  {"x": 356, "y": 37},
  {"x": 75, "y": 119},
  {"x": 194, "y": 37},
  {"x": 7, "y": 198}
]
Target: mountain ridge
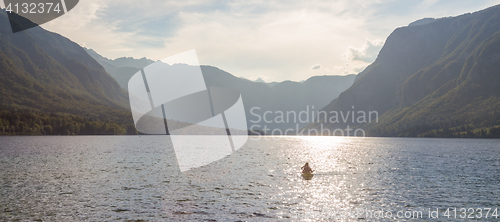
[
  {"x": 48, "y": 77},
  {"x": 420, "y": 69},
  {"x": 276, "y": 96},
  {"x": 121, "y": 69}
]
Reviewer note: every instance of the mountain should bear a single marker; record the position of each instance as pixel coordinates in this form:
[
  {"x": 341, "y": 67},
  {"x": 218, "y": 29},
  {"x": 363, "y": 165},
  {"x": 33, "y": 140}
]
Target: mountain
[
  {"x": 271, "y": 84},
  {"x": 279, "y": 98},
  {"x": 48, "y": 80},
  {"x": 287, "y": 96},
  {"x": 436, "y": 77},
  {"x": 121, "y": 69}
]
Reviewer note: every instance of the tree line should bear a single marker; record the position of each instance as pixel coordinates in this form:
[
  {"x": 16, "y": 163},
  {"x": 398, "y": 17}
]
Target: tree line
[
  {"x": 427, "y": 130},
  {"x": 26, "y": 122}
]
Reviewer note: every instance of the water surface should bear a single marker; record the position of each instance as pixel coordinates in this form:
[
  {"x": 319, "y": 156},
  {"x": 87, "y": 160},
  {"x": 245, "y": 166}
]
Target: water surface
[{"x": 99, "y": 178}]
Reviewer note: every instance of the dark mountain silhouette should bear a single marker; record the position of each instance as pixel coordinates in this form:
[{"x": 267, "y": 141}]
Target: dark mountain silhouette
[
  {"x": 436, "y": 77},
  {"x": 43, "y": 72}
]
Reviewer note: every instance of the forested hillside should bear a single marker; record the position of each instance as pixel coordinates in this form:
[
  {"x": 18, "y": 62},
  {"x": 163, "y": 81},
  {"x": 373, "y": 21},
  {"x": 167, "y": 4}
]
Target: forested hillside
[
  {"x": 50, "y": 85},
  {"x": 438, "y": 78}
]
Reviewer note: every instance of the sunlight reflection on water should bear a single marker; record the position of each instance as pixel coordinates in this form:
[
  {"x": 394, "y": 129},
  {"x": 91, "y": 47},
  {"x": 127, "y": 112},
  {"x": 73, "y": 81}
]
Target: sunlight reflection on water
[{"x": 138, "y": 178}]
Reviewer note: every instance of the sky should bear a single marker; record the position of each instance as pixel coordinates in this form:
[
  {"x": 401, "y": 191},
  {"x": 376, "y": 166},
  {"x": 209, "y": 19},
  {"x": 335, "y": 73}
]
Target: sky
[{"x": 274, "y": 40}]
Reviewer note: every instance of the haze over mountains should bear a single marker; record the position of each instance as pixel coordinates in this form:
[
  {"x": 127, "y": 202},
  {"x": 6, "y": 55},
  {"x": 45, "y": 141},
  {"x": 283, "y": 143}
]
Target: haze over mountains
[
  {"x": 286, "y": 96},
  {"x": 121, "y": 69},
  {"x": 436, "y": 77}
]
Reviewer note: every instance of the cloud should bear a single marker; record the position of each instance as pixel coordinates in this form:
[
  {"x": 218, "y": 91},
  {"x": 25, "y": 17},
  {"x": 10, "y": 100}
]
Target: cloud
[
  {"x": 246, "y": 38},
  {"x": 358, "y": 69},
  {"x": 349, "y": 68},
  {"x": 275, "y": 38},
  {"x": 317, "y": 66},
  {"x": 340, "y": 70},
  {"x": 281, "y": 44},
  {"x": 367, "y": 53}
]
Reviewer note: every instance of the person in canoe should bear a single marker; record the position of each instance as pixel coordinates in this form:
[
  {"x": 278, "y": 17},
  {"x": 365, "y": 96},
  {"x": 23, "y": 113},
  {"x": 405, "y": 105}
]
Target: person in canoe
[{"x": 306, "y": 168}]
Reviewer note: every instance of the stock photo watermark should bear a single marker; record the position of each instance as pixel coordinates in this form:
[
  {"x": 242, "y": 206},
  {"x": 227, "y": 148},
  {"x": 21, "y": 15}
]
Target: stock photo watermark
[
  {"x": 260, "y": 120},
  {"x": 383, "y": 214},
  {"x": 26, "y": 14},
  {"x": 170, "y": 97}
]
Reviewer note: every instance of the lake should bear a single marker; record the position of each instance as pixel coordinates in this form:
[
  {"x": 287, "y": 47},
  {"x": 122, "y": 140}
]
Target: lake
[{"x": 137, "y": 178}]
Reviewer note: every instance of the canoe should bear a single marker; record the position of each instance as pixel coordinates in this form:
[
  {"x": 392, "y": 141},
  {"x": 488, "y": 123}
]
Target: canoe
[{"x": 307, "y": 176}]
